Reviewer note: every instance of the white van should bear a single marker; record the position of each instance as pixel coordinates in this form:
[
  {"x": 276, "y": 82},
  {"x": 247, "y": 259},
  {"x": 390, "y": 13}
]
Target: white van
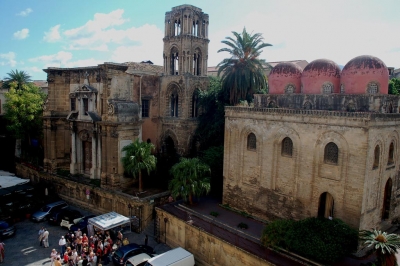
[{"x": 174, "y": 257}]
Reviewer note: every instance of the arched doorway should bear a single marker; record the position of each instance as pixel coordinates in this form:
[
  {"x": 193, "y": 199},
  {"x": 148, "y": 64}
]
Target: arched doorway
[
  {"x": 386, "y": 199},
  {"x": 326, "y": 205}
]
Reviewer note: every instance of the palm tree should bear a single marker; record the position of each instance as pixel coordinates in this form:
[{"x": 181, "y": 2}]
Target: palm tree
[
  {"x": 20, "y": 77},
  {"x": 385, "y": 245},
  {"x": 138, "y": 157},
  {"x": 243, "y": 73},
  {"x": 190, "y": 178}
]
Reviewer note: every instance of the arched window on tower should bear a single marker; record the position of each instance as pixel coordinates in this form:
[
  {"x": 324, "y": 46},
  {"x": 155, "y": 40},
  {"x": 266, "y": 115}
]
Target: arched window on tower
[
  {"x": 195, "y": 28},
  {"x": 251, "y": 142},
  {"x": 287, "y": 147},
  {"x": 177, "y": 27},
  {"x": 174, "y": 100},
  {"x": 331, "y": 154},
  {"x": 174, "y": 61},
  {"x": 197, "y": 63},
  {"x": 377, "y": 151},
  {"x": 391, "y": 154},
  {"x": 195, "y": 104}
]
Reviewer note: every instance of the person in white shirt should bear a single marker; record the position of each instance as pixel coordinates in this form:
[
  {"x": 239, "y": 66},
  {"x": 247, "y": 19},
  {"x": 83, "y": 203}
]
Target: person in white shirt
[{"x": 62, "y": 242}]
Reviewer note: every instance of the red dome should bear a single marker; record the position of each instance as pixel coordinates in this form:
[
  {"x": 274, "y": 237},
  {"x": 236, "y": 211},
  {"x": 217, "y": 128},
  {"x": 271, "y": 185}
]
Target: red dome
[
  {"x": 321, "y": 76},
  {"x": 365, "y": 74},
  {"x": 285, "y": 78}
]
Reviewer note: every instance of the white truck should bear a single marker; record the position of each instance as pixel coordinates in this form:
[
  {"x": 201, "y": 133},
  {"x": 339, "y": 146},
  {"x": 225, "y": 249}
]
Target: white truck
[{"x": 174, "y": 257}]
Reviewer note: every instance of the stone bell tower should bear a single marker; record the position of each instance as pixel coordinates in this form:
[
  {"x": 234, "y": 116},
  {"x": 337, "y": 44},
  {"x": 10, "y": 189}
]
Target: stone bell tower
[{"x": 185, "y": 74}]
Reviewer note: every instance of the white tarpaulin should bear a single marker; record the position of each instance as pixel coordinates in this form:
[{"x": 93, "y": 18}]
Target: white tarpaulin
[
  {"x": 9, "y": 181},
  {"x": 109, "y": 220}
]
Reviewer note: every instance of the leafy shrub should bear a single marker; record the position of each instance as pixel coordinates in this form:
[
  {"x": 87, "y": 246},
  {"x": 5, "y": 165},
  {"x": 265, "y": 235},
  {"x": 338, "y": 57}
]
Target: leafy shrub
[
  {"x": 243, "y": 226},
  {"x": 215, "y": 214},
  {"x": 319, "y": 239},
  {"x": 274, "y": 233}
]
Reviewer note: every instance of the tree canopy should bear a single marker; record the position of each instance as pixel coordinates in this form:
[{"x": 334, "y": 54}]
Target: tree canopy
[
  {"x": 243, "y": 73},
  {"x": 190, "y": 178},
  {"x": 23, "y": 109},
  {"x": 394, "y": 86},
  {"x": 138, "y": 157},
  {"x": 20, "y": 77}
]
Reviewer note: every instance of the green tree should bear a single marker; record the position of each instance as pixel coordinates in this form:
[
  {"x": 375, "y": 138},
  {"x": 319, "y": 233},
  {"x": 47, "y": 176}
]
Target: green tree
[
  {"x": 138, "y": 157},
  {"x": 20, "y": 77},
  {"x": 210, "y": 129},
  {"x": 23, "y": 110},
  {"x": 385, "y": 245},
  {"x": 190, "y": 179},
  {"x": 243, "y": 73},
  {"x": 394, "y": 86}
]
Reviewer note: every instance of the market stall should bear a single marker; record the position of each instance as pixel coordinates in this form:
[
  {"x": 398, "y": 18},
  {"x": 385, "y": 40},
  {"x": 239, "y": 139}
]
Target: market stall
[{"x": 109, "y": 221}]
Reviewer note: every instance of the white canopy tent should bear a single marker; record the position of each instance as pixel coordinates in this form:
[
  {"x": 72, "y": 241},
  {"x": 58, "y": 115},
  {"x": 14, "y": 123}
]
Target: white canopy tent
[{"x": 109, "y": 220}]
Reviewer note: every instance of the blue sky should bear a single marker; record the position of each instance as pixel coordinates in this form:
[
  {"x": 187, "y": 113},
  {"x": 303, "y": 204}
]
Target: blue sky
[{"x": 37, "y": 34}]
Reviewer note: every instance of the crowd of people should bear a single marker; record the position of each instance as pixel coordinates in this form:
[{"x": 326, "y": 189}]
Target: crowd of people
[{"x": 78, "y": 249}]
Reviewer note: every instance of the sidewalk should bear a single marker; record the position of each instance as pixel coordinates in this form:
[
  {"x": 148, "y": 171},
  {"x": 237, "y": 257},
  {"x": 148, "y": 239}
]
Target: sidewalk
[{"x": 231, "y": 219}]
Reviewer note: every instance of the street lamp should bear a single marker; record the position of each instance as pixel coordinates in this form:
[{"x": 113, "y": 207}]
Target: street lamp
[
  {"x": 130, "y": 210},
  {"x": 165, "y": 221}
]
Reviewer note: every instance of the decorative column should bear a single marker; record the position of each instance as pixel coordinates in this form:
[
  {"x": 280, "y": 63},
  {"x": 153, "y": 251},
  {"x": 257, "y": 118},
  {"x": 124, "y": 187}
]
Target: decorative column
[
  {"x": 72, "y": 167},
  {"x": 93, "y": 170}
]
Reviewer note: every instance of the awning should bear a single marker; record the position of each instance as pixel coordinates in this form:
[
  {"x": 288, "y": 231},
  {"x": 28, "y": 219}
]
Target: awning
[
  {"x": 108, "y": 221},
  {"x": 9, "y": 181}
]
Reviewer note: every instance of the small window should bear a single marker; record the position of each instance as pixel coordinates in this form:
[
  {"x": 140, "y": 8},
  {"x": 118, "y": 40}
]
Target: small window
[
  {"x": 287, "y": 147},
  {"x": 85, "y": 105},
  {"x": 327, "y": 88},
  {"x": 391, "y": 151},
  {"x": 251, "y": 142},
  {"x": 307, "y": 106},
  {"x": 376, "y": 157},
  {"x": 331, "y": 154},
  {"x": 372, "y": 88},
  {"x": 73, "y": 104},
  {"x": 145, "y": 108},
  {"x": 290, "y": 89}
]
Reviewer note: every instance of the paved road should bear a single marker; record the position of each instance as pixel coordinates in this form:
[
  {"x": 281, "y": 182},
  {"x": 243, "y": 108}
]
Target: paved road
[{"x": 24, "y": 248}]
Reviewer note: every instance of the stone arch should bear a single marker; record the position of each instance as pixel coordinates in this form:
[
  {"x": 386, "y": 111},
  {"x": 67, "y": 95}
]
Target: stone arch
[
  {"x": 197, "y": 62},
  {"x": 326, "y": 205},
  {"x": 174, "y": 100},
  {"x": 280, "y": 179},
  {"x": 326, "y": 170},
  {"x": 168, "y": 134},
  {"x": 387, "y": 197},
  {"x": 393, "y": 137},
  {"x": 174, "y": 60},
  {"x": 250, "y": 160},
  {"x": 195, "y": 103}
]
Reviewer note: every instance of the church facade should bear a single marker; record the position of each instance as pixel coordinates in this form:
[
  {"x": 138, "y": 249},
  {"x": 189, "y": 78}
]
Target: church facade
[
  {"x": 323, "y": 142},
  {"x": 93, "y": 112}
]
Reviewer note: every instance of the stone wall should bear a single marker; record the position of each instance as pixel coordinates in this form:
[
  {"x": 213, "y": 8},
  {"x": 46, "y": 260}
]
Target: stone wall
[
  {"x": 269, "y": 184},
  {"x": 100, "y": 200},
  {"x": 206, "y": 248}
]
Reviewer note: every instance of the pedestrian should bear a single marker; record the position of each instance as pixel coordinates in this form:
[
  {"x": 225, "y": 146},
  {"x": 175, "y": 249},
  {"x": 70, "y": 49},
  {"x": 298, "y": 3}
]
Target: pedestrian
[
  {"x": 58, "y": 262},
  {"x": 62, "y": 243},
  {"x": 40, "y": 234},
  {"x": 46, "y": 238},
  {"x": 146, "y": 240},
  {"x": 2, "y": 251},
  {"x": 53, "y": 257}
]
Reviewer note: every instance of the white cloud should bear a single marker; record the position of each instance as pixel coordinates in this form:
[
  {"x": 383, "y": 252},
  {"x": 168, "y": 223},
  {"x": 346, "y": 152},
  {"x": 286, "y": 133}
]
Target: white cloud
[
  {"x": 8, "y": 59},
  {"x": 60, "y": 58},
  {"x": 98, "y": 30},
  {"x": 21, "y": 34},
  {"x": 25, "y": 12},
  {"x": 53, "y": 35}
]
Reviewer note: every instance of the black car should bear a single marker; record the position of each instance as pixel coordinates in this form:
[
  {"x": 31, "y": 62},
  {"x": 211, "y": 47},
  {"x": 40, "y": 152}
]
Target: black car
[
  {"x": 55, "y": 217},
  {"x": 122, "y": 254},
  {"x": 82, "y": 224},
  {"x": 6, "y": 229}
]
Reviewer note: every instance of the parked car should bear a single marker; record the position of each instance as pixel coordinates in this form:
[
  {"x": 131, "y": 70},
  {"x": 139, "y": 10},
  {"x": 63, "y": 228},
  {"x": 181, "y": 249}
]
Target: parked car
[
  {"x": 138, "y": 260},
  {"x": 45, "y": 211},
  {"x": 70, "y": 217},
  {"x": 81, "y": 224},
  {"x": 55, "y": 217},
  {"x": 6, "y": 229},
  {"x": 175, "y": 257},
  {"x": 123, "y": 253}
]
